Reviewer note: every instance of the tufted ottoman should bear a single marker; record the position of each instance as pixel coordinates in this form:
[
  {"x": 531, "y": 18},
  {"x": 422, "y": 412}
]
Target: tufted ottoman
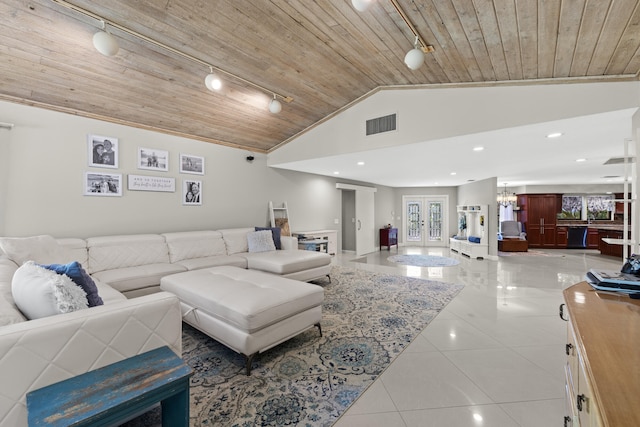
[{"x": 248, "y": 311}]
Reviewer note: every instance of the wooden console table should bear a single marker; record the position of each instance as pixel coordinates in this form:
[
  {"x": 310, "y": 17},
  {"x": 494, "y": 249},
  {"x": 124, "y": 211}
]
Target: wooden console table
[
  {"x": 114, "y": 393},
  {"x": 601, "y": 373}
]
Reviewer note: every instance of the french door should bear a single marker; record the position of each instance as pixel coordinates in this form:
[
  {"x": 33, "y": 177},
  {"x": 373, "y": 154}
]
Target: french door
[{"x": 425, "y": 220}]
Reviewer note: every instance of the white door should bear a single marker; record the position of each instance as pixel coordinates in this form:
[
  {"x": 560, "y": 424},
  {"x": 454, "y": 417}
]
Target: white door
[
  {"x": 425, "y": 220},
  {"x": 365, "y": 227}
]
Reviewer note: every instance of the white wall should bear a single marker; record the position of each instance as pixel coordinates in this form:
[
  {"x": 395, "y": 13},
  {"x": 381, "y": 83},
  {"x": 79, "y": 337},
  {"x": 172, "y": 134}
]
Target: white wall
[
  {"x": 431, "y": 113},
  {"x": 5, "y": 143},
  {"x": 44, "y": 157}
]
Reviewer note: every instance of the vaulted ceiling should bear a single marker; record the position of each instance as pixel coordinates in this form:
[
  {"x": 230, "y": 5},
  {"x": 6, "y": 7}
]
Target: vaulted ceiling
[{"x": 324, "y": 54}]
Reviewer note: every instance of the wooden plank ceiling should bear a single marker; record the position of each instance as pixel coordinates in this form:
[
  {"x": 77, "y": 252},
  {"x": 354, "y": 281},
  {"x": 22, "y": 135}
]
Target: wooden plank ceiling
[{"x": 323, "y": 53}]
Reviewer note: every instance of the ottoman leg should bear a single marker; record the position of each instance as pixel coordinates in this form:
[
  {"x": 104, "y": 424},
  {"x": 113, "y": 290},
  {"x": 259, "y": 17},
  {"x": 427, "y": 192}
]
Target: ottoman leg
[{"x": 317, "y": 325}]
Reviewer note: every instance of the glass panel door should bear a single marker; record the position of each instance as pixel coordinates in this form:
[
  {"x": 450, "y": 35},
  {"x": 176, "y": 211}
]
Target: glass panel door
[
  {"x": 435, "y": 221},
  {"x": 414, "y": 221},
  {"x": 425, "y": 220}
]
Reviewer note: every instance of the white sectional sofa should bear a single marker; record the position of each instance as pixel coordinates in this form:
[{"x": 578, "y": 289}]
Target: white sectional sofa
[{"x": 136, "y": 316}]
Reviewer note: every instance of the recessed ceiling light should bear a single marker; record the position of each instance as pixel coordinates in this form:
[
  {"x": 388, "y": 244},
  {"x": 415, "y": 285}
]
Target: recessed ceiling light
[
  {"x": 336, "y": 173},
  {"x": 453, "y": 173},
  {"x": 478, "y": 148},
  {"x": 581, "y": 160},
  {"x": 360, "y": 163},
  {"x": 554, "y": 135}
]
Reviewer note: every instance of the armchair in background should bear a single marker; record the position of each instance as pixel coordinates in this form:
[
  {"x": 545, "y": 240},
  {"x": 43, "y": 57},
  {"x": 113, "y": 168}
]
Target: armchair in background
[{"x": 511, "y": 230}]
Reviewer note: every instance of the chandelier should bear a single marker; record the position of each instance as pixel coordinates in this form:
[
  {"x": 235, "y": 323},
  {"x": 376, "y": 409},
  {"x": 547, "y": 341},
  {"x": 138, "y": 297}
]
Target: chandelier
[{"x": 505, "y": 198}]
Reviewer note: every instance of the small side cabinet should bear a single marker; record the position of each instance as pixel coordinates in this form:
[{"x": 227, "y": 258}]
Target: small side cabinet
[{"x": 388, "y": 238}]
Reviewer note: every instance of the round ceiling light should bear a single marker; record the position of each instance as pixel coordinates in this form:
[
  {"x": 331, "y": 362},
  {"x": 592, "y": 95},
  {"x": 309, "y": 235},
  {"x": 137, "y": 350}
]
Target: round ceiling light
[
  {"x": 275, "y": 106},
  {"x": 414, "y": 58},
  {"x": 361, "y": 5},
  {"x": 105, "y": 43},
  {"x": 212, "y": 82}
]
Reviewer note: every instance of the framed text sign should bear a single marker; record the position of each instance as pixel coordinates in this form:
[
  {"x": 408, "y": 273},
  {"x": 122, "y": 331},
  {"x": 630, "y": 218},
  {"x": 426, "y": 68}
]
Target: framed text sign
[{"x": 151, "y": 183}]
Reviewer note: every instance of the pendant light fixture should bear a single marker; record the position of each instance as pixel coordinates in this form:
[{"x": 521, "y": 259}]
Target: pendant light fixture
[
  {"x": 415, "y": 57},
  {"x": 275, "y": 106},
  {"x": 212, "y": 82},
  {"x": 105, "y": 43},
  {"x": 361, "y": 5}
]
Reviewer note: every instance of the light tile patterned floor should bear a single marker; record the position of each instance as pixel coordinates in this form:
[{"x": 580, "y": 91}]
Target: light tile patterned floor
[{"x": 493, "y": 357}]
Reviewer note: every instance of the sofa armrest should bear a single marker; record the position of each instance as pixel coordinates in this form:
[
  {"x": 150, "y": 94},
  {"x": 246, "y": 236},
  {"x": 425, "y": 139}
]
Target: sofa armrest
[
  {"x": 40, "y": 352},
  {"x": 289, "y": 243}
]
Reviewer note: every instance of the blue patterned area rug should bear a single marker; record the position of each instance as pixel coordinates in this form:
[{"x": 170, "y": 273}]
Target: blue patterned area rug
[
  {"x": 368, "y": 319},
  {"x": 424, "y": 260}
]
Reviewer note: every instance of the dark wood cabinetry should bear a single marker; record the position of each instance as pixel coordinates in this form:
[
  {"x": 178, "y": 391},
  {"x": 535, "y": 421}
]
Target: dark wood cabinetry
[
  {"x": 607, "y": 248},
  {"x": 539, "y": 216},
  {"x": 593, "y": 238},
  {"x": 388, "y": 237},
  {"x": 562, "y": 237}
]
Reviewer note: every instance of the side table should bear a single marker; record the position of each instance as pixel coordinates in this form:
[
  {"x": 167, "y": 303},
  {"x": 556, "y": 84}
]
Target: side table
[
  {"x": 116, "y": 392},
  {"x": 388, "y": 238}
]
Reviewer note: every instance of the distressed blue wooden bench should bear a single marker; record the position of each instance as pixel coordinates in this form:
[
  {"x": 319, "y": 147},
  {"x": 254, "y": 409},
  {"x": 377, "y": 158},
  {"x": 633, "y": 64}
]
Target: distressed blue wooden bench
[{"x": 115, "y": 393}]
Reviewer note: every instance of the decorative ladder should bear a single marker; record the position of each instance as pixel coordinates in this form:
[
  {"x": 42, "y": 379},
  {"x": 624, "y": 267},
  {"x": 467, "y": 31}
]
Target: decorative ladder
[{"x": 280, "y": 218}]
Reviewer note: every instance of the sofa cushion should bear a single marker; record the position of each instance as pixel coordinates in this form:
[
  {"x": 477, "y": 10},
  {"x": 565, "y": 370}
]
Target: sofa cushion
[
  {"x": 194, "y": 244},
  {"x": 108, "y": 294},
  {"x": 286, "y": 262},
  {"x": 39, "y": 292},
  {"x": 139, "y": 277},
  {"x": 9, "y": 313},
  {"x": 114, "y": 252},
  {"x": 41, "y": 249},
  {"x": 80, "y": 277},
  {"x": 76, "y": 249},
  {"x": 260, "y": 241},
  {"x": 236, "y": 240},
  {"x": 213, "y": 261},
  {"x": 276, "y": 233}
]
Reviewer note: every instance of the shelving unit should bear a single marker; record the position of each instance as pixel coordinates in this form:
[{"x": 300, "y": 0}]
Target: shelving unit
[
  {"x": 475, "y": 219},
  {"x": 331, "y": 236}
]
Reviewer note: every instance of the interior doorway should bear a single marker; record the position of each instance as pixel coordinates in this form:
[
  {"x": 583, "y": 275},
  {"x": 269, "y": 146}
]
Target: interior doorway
[
  {"x": 358, "y": 226},
  {"x": 425, "y": 220}
]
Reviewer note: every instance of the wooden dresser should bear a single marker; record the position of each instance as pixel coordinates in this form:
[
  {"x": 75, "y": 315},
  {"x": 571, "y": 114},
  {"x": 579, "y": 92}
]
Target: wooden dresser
[{"x": 603, "y": 358}]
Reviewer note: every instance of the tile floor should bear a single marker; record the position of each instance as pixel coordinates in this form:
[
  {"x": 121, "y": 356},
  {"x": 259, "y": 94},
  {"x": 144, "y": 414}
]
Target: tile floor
[{"x": 493, "y": 357}]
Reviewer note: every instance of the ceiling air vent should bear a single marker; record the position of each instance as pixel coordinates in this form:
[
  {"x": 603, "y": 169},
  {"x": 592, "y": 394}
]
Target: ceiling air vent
[
  {"x": 381, "y": 124},
  {"x": 619, "y": 160}
]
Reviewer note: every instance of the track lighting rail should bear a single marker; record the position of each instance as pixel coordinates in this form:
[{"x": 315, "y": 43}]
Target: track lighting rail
[{"x": 106, "y": 22}]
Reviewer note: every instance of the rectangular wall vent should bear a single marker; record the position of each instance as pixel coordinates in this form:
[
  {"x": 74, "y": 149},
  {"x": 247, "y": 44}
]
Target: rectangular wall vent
[
  {"x": 619, "y": 160},
  {"x": 381, "y": 124}
]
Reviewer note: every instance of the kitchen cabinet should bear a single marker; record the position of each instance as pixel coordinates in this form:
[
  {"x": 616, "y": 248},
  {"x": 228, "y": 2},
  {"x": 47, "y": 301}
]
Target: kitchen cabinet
[
  {"x": 562, "y": 237},
  {"x": 539, "y": 216},
  {"x": 593, "y": 238}
]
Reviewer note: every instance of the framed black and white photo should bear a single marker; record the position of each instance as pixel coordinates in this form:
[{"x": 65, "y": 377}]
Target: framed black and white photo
[
  {"x": 152, "y": 159},
  {"x": 102, "y": 151},
  {"x": 102, "y": 184},
  {"x": 191, "y": 164},
  {"x": 191, "y": 192}
]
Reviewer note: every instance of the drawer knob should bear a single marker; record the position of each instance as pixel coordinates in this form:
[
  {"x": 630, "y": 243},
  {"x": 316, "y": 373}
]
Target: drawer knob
[
  {"x": 568, "y": 348},
  {"x": 580, "y": 399}
]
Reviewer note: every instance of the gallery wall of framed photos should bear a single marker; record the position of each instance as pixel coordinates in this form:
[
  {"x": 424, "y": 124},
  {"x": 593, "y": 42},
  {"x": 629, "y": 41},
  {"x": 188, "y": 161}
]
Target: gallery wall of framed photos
[{"x": 105, "y": 151}]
